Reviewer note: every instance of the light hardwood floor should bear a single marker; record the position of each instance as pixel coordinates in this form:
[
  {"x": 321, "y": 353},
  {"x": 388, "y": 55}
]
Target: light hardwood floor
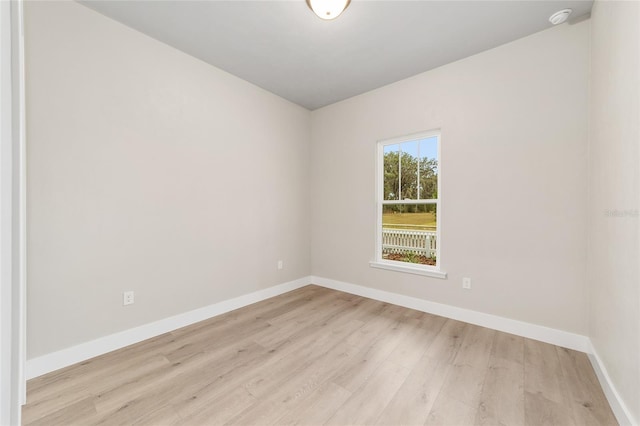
[{"x": 319, "y": 356}]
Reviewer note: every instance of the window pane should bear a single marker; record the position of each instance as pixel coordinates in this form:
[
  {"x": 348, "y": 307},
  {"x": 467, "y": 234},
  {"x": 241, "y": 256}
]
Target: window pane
[
  {"x": 409, "y": 170},
  {"x": 429, "y": 168},
  {"x": 409, "y": 233},
  {"x": 391, "y": 172}
]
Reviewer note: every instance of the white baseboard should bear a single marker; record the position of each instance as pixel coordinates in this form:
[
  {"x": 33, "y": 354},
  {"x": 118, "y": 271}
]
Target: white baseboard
[
  {"x": 619, "y": 408},
  {"x": 520, "y": 328},
  {"x": 50, "y": 362}
]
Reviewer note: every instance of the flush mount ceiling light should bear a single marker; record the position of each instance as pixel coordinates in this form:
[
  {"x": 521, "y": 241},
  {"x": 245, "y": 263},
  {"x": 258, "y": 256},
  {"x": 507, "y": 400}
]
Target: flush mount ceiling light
[
  {"x": 328, "y": 9},
  {"x": 560, "y": 16}
]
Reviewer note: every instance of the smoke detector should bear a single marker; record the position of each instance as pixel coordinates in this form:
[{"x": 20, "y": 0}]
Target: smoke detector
[{"x": 560, "y": 16}]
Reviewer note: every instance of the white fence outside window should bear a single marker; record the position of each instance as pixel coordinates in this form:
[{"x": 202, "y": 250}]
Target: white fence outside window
[{"x": 405, "y": 241}]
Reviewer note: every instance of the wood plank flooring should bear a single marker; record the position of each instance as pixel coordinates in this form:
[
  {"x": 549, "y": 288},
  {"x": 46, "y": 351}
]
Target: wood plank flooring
[{"x": 317, "y": 356}]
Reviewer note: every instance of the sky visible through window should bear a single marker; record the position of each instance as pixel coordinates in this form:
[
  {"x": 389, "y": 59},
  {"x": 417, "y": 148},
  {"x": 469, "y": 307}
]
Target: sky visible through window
[{"x": 428, "y": 148}]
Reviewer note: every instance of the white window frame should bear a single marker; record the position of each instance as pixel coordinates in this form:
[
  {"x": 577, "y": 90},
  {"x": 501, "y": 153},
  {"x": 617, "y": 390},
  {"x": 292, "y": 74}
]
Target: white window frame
[{"x": 394, "y": 265}]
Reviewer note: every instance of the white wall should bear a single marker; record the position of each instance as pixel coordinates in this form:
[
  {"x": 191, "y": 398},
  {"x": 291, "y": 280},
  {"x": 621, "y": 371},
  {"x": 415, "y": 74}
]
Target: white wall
[
  {"x": 513, "y": 170},
  {"x": 150, "y": 171},
  {"x": 614, "y": 195}
]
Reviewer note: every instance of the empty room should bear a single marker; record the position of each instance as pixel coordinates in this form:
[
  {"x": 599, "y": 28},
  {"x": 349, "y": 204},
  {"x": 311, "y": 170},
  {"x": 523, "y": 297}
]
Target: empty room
[{"x": 320, "y": 212}]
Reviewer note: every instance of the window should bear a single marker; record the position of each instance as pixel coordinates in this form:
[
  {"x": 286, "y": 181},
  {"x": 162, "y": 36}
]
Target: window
[{"x": 408, "y": 204}]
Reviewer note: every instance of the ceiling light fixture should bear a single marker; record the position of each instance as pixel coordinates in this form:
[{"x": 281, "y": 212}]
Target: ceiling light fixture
[
  {"x": 328, "y": 9},
  {"x": 560, "y": 16}
]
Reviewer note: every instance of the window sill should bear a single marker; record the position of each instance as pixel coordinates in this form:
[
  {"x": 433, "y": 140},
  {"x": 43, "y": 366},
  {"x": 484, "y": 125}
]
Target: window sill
[{"x": 394, "y": 266}]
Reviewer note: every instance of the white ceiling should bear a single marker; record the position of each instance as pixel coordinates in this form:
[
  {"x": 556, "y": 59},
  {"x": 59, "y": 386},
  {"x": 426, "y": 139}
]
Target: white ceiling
[{"x": 284, "y": 48}]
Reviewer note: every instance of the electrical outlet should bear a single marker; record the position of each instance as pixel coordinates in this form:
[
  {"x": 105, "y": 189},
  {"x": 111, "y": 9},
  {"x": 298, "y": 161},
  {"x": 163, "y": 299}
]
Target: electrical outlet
[
  {"x": 466, "y": 283},
  {"x": 127, "y": 298},
  {"x": 280, "y": 264}
]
